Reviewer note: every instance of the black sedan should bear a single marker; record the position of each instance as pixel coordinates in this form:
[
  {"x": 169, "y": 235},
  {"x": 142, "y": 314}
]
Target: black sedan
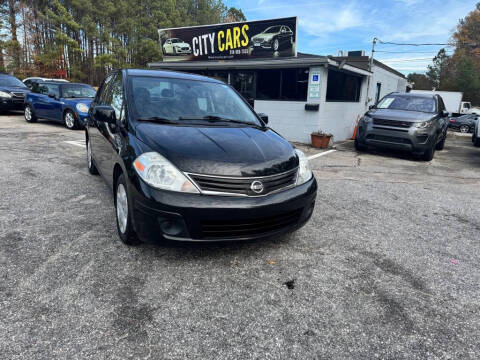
[
  {"x": 463, "y": 123},
  {"x": 189, "y": 160},
  {"x": 12, "y": 93}
]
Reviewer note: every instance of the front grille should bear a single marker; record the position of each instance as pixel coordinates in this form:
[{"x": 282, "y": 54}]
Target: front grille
[
  {"x": 18, "y": 94},
  {"x": 242, "y": 186},
  {"x": 393, "y": 123},
  {"x": 390, "y": 139},
  {"x": 213, "y": 229}
]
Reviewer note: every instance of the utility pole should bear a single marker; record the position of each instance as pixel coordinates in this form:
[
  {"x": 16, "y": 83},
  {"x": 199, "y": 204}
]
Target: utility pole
[{"x": 370, "y": 66}]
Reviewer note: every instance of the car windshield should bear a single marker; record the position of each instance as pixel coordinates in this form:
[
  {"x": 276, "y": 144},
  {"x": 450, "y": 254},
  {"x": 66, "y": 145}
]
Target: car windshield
[
  {"x": 78, "y": 91},
  {"x": 11, "y": 81},
  {"x": 409, "y": 103},
  {"x": 176, "y": 41},
  {"x": 182, "y": 100},
  {"x": 271, "y": 30}
]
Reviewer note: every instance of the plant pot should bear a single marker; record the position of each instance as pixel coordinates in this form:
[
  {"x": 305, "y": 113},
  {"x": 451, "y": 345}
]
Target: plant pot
[{"x": 320, "y": 141}]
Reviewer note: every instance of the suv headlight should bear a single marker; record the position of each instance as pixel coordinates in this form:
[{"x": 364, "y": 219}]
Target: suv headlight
[
  {"x": 81, "y": 107},
  {"x": 5, "y": 95},
  {"x": 160, "y": 173},
  {"x": 424, "y": 124},
  {"x": 304, "y": 170}
]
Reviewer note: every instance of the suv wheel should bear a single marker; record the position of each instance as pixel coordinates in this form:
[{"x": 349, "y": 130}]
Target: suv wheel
[
  {"x": 358, "y": 146},
  {"x": 464, "y": 129},
  {"x": 428, "y": 155},
  {"x": 476, "y": 140},
  {"x": 441, "y": 144}
]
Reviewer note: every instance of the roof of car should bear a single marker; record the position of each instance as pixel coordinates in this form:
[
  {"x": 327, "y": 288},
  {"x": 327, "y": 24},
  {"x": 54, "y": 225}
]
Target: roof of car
[
  {"x": 56, "y": 82},
  {"x": 170, "y": 74}
]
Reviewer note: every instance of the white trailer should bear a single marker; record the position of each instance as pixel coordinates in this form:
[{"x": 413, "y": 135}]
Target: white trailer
[{"x": 453, "y": 101}]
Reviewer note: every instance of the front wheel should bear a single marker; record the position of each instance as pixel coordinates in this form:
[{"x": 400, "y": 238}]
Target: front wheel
[
  {"x": 124, "y": 219},
  {"x": 69, "y": 120},
  {"x": 29, "y": 114},
  {"x": 476, "y": 141},
  {"x": 92, "y": 169},
  {"x": 359, "y": 147},
  {"x": 428, "y": 155},
  {"x": 276, "y": 45},
  {"x": 441, "y": 144}
]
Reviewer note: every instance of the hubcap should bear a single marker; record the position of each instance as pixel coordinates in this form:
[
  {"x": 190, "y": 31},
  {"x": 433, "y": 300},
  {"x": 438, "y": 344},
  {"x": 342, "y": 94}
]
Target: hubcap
[
  {"x": 89, "y": 154},
  {"x": 463, "y": 129},
  {"x": 69, "y": 120},
  {"x": 275, "y": 45},
  {"x": 28, "y": 113},
  {"x": 122, "y": 208}
]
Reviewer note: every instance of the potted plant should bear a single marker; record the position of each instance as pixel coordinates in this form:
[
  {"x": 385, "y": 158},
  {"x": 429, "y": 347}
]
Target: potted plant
[{"x": 320, "y": 139}]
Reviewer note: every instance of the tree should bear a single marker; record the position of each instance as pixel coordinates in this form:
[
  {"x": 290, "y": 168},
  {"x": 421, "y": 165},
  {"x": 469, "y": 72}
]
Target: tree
[
  {"x": 235, "y": 15},
  {"x": 436, "y": 71},
  {"x": 420, "y": 81}
]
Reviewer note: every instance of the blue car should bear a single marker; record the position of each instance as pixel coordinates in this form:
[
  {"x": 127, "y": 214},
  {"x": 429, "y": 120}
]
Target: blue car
[{"x": 67, "y": 103}]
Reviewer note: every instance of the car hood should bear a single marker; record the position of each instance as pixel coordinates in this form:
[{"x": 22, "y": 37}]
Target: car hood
[
  {"x": 414, "y": 116},
  {"x": 14, "y": 89},
  {"x": 263, "y": 37},
  {"x": 183, "y": 44},
  {"x": 228, "y": 151}
]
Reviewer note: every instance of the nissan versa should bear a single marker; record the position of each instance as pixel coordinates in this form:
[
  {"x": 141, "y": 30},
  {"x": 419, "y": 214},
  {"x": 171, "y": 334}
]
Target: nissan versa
[
  {"x": 188, "y": 159},
  {"x": 412, "y": 122}
]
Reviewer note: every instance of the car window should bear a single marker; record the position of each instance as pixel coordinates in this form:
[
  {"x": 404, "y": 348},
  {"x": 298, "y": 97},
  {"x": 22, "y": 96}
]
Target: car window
[
  {"x": 408, "y": 103},
  {"x": 52, "y": 88},
  {"x": 441, "y": 105},
  {"x": 102, "y": 92},
  {"x": 77, "y": 91},
  {"x": 180, "y": 99},
  {"x": 114, "y": 96}
]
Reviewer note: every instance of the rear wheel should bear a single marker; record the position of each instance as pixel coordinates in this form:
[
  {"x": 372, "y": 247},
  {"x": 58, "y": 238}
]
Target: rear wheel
[
  {"x": 123, "y": 212},
  {"x": 69, "y": 120},
  {"x": 29, "y": 114},
  {"x": 441, "y": 144},
  {"x": 464, "y": 129}
]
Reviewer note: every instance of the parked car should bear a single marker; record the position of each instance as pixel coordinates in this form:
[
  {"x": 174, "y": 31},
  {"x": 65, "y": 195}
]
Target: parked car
[
  {"x": 463, "y": 123},
  {"x": 175, "y": 46},
  {"x": 412, "y": 122},
  {"x": 189, "y": 160},
  {"x": 476, "y": 134},
  {"x": 12, "y": 93},
  {"x": 29, "y": 81},
  {"x": 63, "y": 102},
  {"x": 274, "y": 38}
]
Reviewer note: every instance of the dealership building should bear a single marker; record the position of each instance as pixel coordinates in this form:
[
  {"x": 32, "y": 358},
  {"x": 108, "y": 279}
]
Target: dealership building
[{"x": 303, "y": 93}]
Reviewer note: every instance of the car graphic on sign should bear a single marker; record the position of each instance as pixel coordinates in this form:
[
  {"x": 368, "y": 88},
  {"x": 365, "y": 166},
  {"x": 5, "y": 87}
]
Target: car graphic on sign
[
  {"x": 274, "y": 38},
  {"x": 176, "y": 46}
]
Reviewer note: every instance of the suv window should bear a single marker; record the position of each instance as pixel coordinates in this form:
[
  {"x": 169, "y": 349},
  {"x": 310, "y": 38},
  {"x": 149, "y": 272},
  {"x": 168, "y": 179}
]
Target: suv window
[{"x": 441, "y": 105}]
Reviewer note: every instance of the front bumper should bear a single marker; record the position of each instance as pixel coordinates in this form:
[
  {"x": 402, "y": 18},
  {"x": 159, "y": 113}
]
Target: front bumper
[
  {"x": 219, "y": 218},
  {"x": 11, "y": 104},
  {"x": 82, "y": 118},
  {"x": 409, "y": 139},
  {"x": 183, "y": 51}
]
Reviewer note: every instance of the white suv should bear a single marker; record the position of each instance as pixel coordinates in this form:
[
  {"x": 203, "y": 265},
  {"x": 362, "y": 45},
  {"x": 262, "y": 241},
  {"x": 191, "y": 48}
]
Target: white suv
[{"x": 174, "y": 46}]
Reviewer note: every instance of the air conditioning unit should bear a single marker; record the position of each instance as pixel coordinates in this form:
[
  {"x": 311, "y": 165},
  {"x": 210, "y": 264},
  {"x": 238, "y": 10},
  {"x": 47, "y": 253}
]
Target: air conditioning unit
[{"x": 356, "y": 53}]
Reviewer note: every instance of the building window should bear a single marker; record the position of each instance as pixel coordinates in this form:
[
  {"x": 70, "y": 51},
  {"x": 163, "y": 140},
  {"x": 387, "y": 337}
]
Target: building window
[
  {"x": 342, "y": 86},
  {"x": 268, "y": 84},
  {"x": 244, "y": 83},
  {"x": 294, "y": 84}
]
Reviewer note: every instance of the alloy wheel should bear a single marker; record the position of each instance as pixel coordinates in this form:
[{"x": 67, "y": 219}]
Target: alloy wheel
[
  {"x": 275, "y": 45},
  {"x": 122, "y": 208},
  {"x": 28, "y": 113},
  {"x": 464, "y": 129},
  {"x": 69, "y": 120}
]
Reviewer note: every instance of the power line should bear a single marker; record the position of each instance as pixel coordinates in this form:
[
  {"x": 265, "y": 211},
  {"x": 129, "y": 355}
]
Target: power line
[
  {"x": 413, "y": 44},
  {"x": 407, "y": 52}
]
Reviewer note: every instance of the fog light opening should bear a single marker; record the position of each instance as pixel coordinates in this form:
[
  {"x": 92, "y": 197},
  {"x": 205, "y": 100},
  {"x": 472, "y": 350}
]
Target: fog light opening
[{"x": 172, "y": 227}]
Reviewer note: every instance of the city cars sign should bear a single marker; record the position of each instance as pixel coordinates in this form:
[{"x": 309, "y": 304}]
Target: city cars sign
[{"x": 230, "y": 41}]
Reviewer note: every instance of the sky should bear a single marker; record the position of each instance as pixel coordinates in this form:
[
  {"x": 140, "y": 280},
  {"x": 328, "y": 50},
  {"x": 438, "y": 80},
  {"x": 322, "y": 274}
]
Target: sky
[{"x": 325, "y": 27}]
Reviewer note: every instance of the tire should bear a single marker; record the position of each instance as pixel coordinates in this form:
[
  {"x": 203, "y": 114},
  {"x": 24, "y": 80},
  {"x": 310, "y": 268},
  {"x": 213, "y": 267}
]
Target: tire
[
  {"x": 69, "y": 120},
  {"x": 92, "y": 169},
  {"x": 123, "y": 213},
  {"x": 441, "y": 144},
  {"x": 174, "y": 51},
  {"x": 276, "y": 45},
  {"x": 476, "y": 141},
  {"x": 428, "y": 155},
  {"x": 358, "y": 146},
  {"x": 464, "y": 129},
  {"x": 29, "y": 114}
]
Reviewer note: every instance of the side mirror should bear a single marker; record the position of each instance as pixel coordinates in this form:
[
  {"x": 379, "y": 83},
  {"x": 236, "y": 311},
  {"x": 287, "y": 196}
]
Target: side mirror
[
  {"x": 371, "y": 107},
  {"x": 52, "y": 95},
  {"x": 263, "y": 117},
  {"x": 104, "y": 113}
]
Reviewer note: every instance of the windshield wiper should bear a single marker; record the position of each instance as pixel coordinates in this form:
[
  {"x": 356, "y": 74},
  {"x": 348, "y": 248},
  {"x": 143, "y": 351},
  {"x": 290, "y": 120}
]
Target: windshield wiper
[
  {"x": 158, "y": 119},
  {"x": 215, "y": 118}
]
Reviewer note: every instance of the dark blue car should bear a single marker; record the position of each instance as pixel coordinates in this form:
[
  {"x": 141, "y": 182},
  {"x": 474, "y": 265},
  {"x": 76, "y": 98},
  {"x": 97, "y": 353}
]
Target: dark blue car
[
  {"x": 12, "y": 93},
  {"x": 67, "y": 103}
]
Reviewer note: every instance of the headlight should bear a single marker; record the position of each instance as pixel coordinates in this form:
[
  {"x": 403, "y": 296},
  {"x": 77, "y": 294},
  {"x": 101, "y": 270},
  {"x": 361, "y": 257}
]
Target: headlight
[
  {"x": 158, "y": 172},
  {"x": 81, "y": 107},
  {"x": 424, "y": 124},
  {"x": 304, "y": 170},
  {"x": 365, "y": 119},
  {"x": 5, "y": 95}
]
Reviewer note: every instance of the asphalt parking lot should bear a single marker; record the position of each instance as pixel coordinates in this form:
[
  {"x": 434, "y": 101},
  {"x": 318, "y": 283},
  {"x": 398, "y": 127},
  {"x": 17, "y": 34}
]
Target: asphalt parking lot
[{"x": 387, "y": 268}]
